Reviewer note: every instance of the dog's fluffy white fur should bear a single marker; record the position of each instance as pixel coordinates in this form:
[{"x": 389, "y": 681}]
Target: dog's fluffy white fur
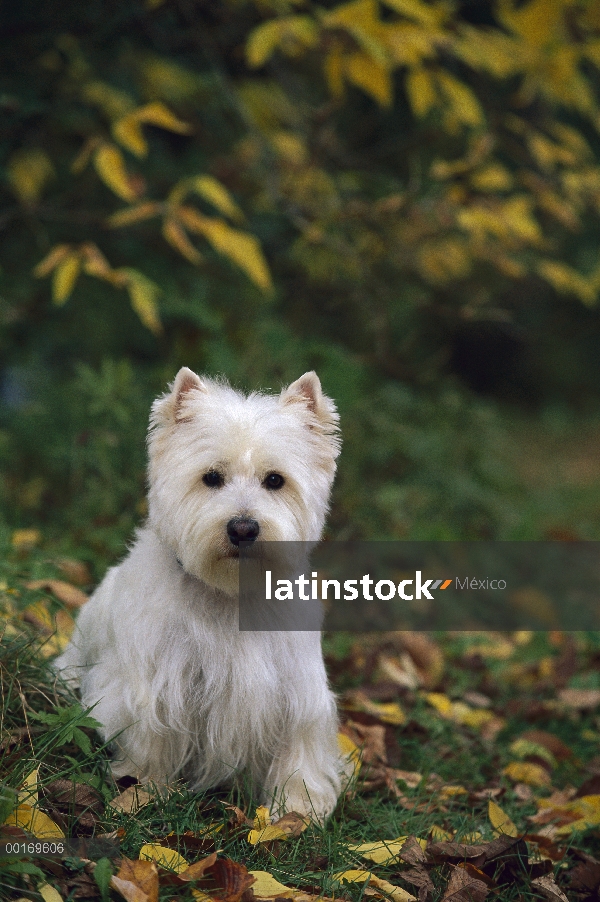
[{"x": 157, "y": 649}]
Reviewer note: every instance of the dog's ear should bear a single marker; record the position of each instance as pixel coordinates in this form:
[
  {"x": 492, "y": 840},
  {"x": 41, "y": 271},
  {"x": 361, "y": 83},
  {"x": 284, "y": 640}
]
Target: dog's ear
[
  {"x": 171, "y": 407},
  {"x": 307, "y": 391}
]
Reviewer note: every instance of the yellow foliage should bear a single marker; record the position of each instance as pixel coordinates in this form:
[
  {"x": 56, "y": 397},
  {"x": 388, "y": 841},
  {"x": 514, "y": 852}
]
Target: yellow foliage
[
  {"x": 28, "y": 172},
  {"x": 35, "y": 822},
  {"x": 217, "y": 195},
  {"x": 420, "y": 88},
  {"x": 240, "y": 247},
  {"x": 370, "y": 75},
  {"x": 64, "y": 277},
  {"x": 112, "y": 102},
  {"x": 292, "y": 34},
  {"x": 143, "y": 295},
  {"x": 175, "y": 234},
  {"x": 567, "y": 280},
  {"x": 110, "y": 166},
  {"x": 165, "y": 80},
  {"x": 128, "y": 130},
  {"x": 462, "y": 100}
]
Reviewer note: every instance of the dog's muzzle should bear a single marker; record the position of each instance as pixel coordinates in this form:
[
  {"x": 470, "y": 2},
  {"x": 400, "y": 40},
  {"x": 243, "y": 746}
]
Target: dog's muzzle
[{"x": 242, "y": 529}]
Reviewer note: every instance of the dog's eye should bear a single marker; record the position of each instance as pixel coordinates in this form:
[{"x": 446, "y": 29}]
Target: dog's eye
[
  {"x": 274, "y": 481},
  {"x": 213, "y": 479}
]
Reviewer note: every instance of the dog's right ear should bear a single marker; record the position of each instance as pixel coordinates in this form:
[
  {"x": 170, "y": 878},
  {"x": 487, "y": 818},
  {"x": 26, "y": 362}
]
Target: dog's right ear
[{"x": 171, "y": 408}]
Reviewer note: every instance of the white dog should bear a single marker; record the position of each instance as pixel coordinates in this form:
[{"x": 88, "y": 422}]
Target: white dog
[{"x": 157, "y": 649}]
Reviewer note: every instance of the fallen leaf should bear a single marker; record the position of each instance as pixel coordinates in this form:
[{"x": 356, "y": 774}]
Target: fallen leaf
[
  {"x": 464, "y": 887},
  {"x": 580, "y": 699},
  {"x": 23, "y": 539},
  {"x": 136, "y": 881},
  {"x": 131, "y": 800},
  {"x": 35, "y": 822},
  {"x": 266, "y": 834},
  {"x": 528, "y": 773},
  {"x": 384, "y": 851},
  {"x": 267, "y": 887},
  {"x": 166, "y": 858},
  {"x": 500, "y": 821},
  {"x": 547, "y": 887},
  {"x": 65, "y": 592},
  {"x": 49, "y": 894}
]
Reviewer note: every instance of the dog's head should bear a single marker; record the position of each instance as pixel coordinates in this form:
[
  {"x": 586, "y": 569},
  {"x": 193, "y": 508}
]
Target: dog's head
[{"x": 226, "y": 468}]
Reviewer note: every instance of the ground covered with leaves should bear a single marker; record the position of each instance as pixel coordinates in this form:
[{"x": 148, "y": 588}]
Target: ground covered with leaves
[{"x": 476, "y": 774}]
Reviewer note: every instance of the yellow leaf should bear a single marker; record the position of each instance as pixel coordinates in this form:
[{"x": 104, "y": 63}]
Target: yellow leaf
[
  {"x": 390, "y": 890},
  {"x": 462, "y": 100},
  {"x": 110, "y": 166},
  {"x": 421, "y": 92},
  {"x": 267, "y": 887},
  {"x": 29, "y": 791},
  {"x": 567, "y": 280},
  {"x": 168, "y": 80},
  {"x": 334, "y": 70},
  {"x": 527, "y": 772},
  {"x": 383, "y": 852},
  {"x": 536, "y": 21},
  {"x": 64, "y": 277},
  {"x": 113, "y": 103},
  {"x": 35, "y": 822},
  {"x": 449, "y": 791},
  {"x": 163, "y": 856},
  {"x": 266, "y": 834},
  {"x": 440, "y": 702},
  {"x": 438, "y": 834},
  {"x": 143, "y": 294},
  {"x": 174, "y": 233},
  {"x": 39, "y": 616},
  {"x": 262, "y": 818},
  {"x": 349, "y": 750},
  {"x": 354, "y": 875},
  {"x": 524, "y": 748},
  {"x": 241, "y": 248},
  {"x": 128, "y": 132},
  {"x": 25, "y": 538},
  {"x": 492, "y": 178},
  {"x": 291, "y": 33},
  {"x": 156, "y": 113},
  {"x": 131, "y": 215},
  {"x": 217, "y": 195},
  {"x": 429, "y": 16},
  {"x": 500, "y": 821},
  {"x": 49, "y": 894},
  {"x": 28, "y": 172},
  {"x": 263, "y": 41},
  {"x": 370, "y": 75}
]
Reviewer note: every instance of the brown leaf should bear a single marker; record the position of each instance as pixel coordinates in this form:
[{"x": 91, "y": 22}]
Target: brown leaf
[
  {"x": 231, "y": 880},
  {"x": 76, "y": 571},
  {"x": 547, "y": 888},
  {"x": 585, "y": 877},
  {"x": 554, "y": 745},
  {"x": 412, "y": 851},
  {"x": 292, "y": 824},
  {"x": 137, "y": 881},
  {"x": 580, "y": 699},
  {"x": 464, "y": 887},
  {"x": 131, "y": 800},
  {"x": 197, "y": 870},
  {"x": 65, "y": 592}
]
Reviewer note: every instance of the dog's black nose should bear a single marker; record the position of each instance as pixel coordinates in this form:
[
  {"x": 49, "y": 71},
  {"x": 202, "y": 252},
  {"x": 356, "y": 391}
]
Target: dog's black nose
[{"x": 242, "y": 529}]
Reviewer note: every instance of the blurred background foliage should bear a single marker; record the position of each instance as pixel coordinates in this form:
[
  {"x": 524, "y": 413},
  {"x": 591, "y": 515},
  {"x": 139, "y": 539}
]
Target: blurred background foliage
[{"x": 402, "y": 195}]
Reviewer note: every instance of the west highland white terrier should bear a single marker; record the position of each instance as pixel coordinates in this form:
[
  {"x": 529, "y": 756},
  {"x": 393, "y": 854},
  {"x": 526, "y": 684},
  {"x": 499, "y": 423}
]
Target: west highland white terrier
[{"x": 180, "y": 690}]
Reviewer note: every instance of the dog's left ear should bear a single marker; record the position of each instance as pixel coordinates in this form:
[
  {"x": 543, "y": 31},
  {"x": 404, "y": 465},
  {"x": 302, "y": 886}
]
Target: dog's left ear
[{"x": 307, "y": 391}]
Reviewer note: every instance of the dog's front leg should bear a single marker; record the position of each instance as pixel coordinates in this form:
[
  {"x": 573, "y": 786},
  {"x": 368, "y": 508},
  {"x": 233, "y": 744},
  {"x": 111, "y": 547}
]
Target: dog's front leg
[{"x": 306, "y": 777}]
